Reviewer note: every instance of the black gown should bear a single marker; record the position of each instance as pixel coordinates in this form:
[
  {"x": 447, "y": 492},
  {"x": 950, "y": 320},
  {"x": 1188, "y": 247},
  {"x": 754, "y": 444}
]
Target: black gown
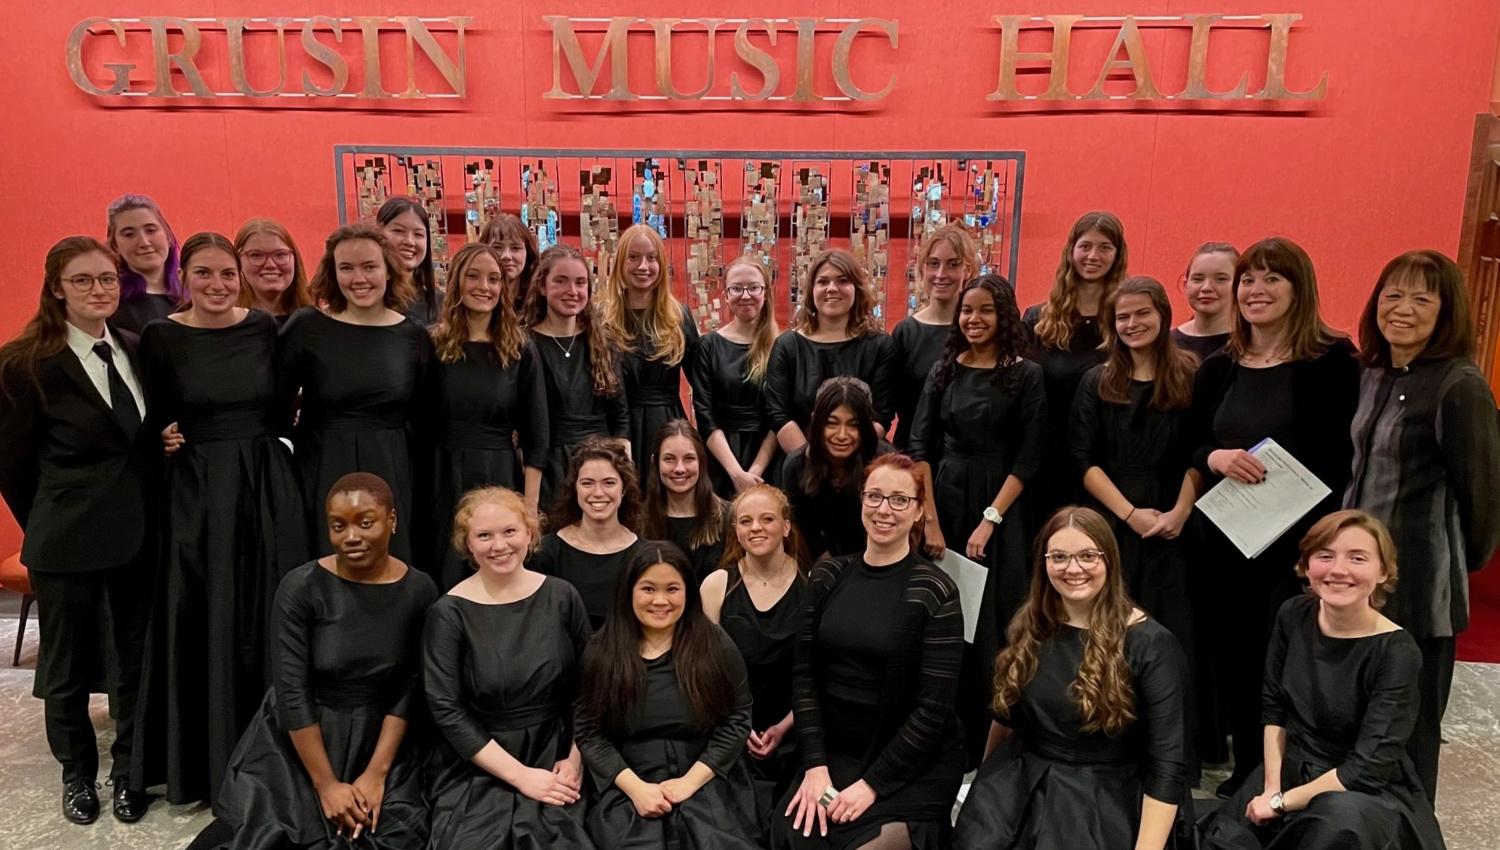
[
  {"x": 574, "y": 411},
  {"x": 1201, "y": 347},
  {"x": 799, "y": 367},
  {"x": 136, "y": 313},
  {"x": 654, "y": 387},
  {"x": 363, "y": 392},
  {"x": 767, "y": 641},
  {"x": 1052, "y": 786},
  {"x": 661, "y": 740},
  {"x": 828, "y": 519},
  {"x": 704, "y": 559},
  {"x": 1347, "y": 704},
  {"x": 483, "y": 412},
  {"x": 230, "y": 493},
  {"x": 725, "y": 400},
  {"x": 919, "y": 345},
  {"x": 595, "y": 576},
  {"x": 346, "y": 655},
  {"x": 1062, "y": 371},
  {"x": 506, "y": 673}
]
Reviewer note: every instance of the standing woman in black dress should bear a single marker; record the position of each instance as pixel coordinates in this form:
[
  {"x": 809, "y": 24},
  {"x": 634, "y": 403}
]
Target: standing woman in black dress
[
  {"x": 500, "y": 658},
  {"x": 728, "y": 378},
  {"x": 271, "y": 269},
  {"x": 822, "y": 478},
  {"x": 978, "y": 437},
  {"x": 1339, "y": 701},
  {"x": 679, "y": 503},
  {"x": 1132, "y": 445},
  {"x": 655, "y": 331},
  {"x": 518, "y": 255},
  {"x": 881, "y": 746},
  {"x": 945, "y": 262},
  {"x": 231, "y": 492},
  {"x": 327, "y": 762},
  {"x": 834, "y": 333},
  {"x": 362, "y": 368},
  {"x": 79, "y": 473},
  {"x": 1287, "y": 376},
  {"x": 1066, "y": 339},
  {"x": 490, "y": 399},
  {"x": 404, "y": 223},
  {"x": 663, "y": 716},
  {"x": 1088, "y": 747},
  {"x": 757, "y": 599},
  {"x": 596, "y": 514},
  {"x": 585, "y": 394},
  {"x": 1426, "y": 456},
  {"x": 1208, "y": 284},
  {"x": 150, "y": 286}
]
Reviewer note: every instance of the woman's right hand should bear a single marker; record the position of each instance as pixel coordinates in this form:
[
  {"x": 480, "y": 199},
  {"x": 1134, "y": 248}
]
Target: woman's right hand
[
  {"x": 805, "y": 807},
  {"x": 1237, "y": 464},
  {"x": 344, "y": 806},
  {"x": 545, "y": 786},
  {"x": 742, "y": 479},
  {"x": 1142, "y": 520},
  {"x": 933, "y": 543},
  {"x": 171, "y": 439},
  {"x": 649, "y": 800}
]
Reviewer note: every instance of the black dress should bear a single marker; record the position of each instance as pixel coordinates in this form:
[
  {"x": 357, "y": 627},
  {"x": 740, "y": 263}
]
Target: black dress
[
  {"x": 725, "y": 400},
  {"x": 483, "y": 412},
  {"x": 654, "y": 387},
  {"x": 661, "y": 740},
  {"x": 828, "y": 519},
  {"x": 346, "y": 656},
  {"x": 767, "y": 642},
  {"x": 799, "y": 367},
  {"x": 574, "y": 410},
  {"x": 426, "y": 308},
  {"x": 506, "y": 673},
  {"x": 706, "y": 558},
  {"x": 1347, "y": 704},
  {"x": 363, "y": 392},
  {"x": 1201, "y": 347},
  {"x": 1053, "y": 786},
  {"x": 230, "y": 494},
  {"x": 595, "y": 576},
  {"x": 138, "y": 312},
  {"x": 918, "y": 347},
  {"x": 1061, "y": 372}
]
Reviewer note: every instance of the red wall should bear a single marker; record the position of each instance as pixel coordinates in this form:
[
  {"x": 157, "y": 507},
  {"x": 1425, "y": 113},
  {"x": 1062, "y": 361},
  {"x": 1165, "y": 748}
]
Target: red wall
[{"x": 1377, "y": 167}]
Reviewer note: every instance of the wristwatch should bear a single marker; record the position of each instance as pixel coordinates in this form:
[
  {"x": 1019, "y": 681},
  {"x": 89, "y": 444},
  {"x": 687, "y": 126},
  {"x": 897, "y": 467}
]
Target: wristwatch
[
  {"x": 1277, "y": 804},
  {"x": 992, "y": 515}
]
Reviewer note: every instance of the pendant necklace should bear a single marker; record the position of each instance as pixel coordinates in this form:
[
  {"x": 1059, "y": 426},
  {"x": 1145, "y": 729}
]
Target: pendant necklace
[{"x": 567, "y": 352}]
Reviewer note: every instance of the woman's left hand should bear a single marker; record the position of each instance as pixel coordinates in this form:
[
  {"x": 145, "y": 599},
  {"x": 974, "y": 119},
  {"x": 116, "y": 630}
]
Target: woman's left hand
[
  {"x": 678, "y": 790},
  {"x": 979, "y": 540},
  {"x": 1167, "y": 526},
  {"x": 568, "y": 773},
  {"x": 852, "y": 802},
  {"x": 372, "y": 787}
]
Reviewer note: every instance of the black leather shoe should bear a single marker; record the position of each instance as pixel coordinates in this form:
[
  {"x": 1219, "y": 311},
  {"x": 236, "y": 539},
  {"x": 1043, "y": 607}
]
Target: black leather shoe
[
  {"x": 80, "y": 803},
  {"x": 130, "y": 806}
]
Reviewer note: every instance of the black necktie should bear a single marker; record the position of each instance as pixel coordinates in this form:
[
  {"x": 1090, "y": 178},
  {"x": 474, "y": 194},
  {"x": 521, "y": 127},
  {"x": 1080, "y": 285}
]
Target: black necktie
[{"x": 120, "y": 399}]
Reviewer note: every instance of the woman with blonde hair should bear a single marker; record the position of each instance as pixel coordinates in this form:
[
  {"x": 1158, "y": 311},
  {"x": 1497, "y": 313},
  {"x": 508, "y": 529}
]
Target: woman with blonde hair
[
  {"x": 945, "y": 262},
  {"x": 272, "y": 269}
]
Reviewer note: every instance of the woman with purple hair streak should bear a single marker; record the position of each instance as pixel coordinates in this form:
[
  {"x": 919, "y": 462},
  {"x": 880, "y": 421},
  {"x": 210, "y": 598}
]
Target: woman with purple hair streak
[{"x": 150, "y": 287}]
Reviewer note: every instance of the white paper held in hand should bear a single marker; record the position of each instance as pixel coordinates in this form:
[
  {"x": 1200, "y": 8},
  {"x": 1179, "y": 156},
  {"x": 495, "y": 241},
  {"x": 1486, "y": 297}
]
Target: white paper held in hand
[
  {"x": 970, "y": 578},
  {"x": 1252, "y": 516}
]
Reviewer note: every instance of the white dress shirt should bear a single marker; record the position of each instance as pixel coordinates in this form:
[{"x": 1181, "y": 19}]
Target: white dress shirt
[{"x": 98, "y": 371}]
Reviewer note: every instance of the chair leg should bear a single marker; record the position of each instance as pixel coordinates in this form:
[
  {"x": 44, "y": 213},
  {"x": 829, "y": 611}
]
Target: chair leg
[{"x": 26, "y": 600}]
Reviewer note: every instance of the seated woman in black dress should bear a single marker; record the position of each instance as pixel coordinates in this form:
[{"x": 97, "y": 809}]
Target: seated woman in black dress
[
  {"x": 500, "y": 663},
  {"x": 822, "y": 478},
  {"x": 680, "y": 503},
  {"x": 757, "y": 599},
  {"x": 324, "y": 765},
  {"x": 873, "y": 682},
  {"x": 663, "y": 717},
  {"x": 1341, "y": 698},
  {"x": 595, "y": 517},
  {"x": 1087, "y": 751}
]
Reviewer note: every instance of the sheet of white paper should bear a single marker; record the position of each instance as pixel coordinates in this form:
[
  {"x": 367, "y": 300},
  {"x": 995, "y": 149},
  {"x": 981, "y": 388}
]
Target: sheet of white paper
[
  {"x": 969, "y": 577},
  {"x": 1252, "y": 516}
]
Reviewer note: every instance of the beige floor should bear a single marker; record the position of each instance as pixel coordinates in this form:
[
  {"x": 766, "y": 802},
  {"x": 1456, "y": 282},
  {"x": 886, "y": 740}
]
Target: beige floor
[{"x": 30, "y": 784}]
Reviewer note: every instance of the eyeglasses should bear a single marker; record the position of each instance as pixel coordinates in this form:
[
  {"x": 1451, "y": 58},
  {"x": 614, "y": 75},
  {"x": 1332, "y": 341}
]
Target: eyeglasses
[
  {"x": 260, "y": 258},
  {"x": 1088, "y": 559},
  {"x": 84, "y": 283},
  {"x": 897, "y": 501},
  {"x": 737, "y": 291}
]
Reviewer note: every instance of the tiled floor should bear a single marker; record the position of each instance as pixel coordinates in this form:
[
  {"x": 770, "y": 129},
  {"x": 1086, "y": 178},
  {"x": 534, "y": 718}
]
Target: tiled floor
[{"x": 30, "y": 784}]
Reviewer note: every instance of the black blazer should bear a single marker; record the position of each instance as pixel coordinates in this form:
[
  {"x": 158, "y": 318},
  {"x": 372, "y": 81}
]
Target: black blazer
[{"x": 79, "y": 487}]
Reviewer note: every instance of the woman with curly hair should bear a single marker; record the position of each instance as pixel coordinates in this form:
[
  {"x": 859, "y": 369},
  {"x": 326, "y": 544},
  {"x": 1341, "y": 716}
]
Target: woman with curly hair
[
  {"x": 945, "y": 262},
  {"x": 1087, "y": 749}
]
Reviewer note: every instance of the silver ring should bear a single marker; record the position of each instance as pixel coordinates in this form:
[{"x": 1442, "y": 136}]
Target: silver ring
[{"x": 827, "y": 796}]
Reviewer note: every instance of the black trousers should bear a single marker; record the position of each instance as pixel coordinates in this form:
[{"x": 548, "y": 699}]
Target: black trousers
[
  {"x": 93, "y": 631},
  {"x": 1435, "y": 681}
]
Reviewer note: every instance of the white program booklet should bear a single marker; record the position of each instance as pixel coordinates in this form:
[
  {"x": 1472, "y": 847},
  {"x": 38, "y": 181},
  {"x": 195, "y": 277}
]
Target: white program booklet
[
  {"x": 1252, "y": 516},
  {"x": 970, "y": 578}
]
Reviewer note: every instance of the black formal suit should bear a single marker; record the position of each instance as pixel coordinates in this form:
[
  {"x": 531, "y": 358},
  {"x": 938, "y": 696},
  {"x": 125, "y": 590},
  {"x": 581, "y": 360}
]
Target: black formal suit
[{"x": 82, "y": 488}]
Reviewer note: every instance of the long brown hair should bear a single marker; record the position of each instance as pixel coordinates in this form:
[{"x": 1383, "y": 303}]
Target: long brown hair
[
  {"x": 1054, "y": 329},
  {"x": 1171, "y": 367},
  {"x": 565, "y": 509},
  {"x": 818, "y": 469},
  {"x": 1102, "y": 689},
  {"x": 601, "y": 355},
  {"x": 766, "y": 329},
  {"x": 294, "y": 296},
  {"x": 708, "y": 508},
  {"x": 792, "y": 544},
  {"x": 1307, "y": 335},
  {"x": 662, "y": 323},
  {"x": 861, "y": 315},
  {"x": 506, "y": 226},
  {"x": 424, "y": 277},
  {"x": 1452, "y": 336},
  {"x": 325, "y": 282},
  {"x": 47, "y": 332},
  {"x": 452, "y": 330}
]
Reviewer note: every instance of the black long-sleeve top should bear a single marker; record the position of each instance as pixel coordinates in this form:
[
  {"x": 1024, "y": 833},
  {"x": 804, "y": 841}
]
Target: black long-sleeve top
[{"x": 799, "y": 367}]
